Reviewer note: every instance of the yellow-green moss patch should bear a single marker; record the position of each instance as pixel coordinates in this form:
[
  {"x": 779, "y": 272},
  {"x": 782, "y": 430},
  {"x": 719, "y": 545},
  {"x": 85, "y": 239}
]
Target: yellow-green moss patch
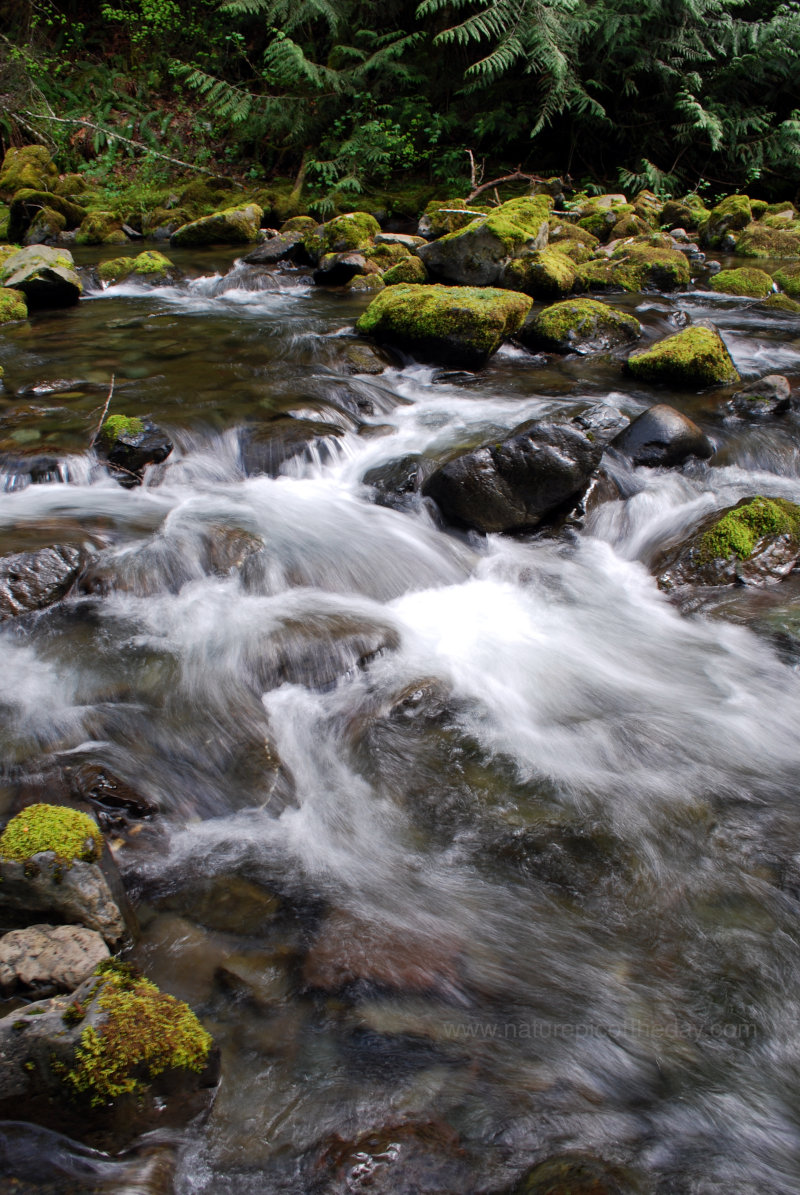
[
  {"x": 738, "y": 531},
  {"x": 693, "y": 357},
  {"x": 411, "y": 269},
  {"x": 120, "y": 425},
  {"x": 12, "y": 306},
  {"x": 744, "y": 281},
  {"x": 69, "y": 833}
]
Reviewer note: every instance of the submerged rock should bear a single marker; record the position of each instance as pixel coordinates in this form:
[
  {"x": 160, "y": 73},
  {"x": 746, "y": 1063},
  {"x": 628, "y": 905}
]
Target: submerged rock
[
  {"x": 45, "y": 276},
  {"x": 695, "y": 357},
  {"x": 756, "y": 542},
  {"x": 518, "y": 483},
  {"x": 478, "y": 255},
  {"x": 578, "y": 326},
  {"x": 266, "y": 447},
  {"x": 770, "y": 395},
  {"x": 34, "y": 580},
  {"x": 49, "y": 958},
  {"x": 411, "y": 1158},
  {"x": 576, "y": 1174},
  {"x": 231, "y": 226},
  {"x": 453, "y": 325},
  {"x": 663, "y": 436}
]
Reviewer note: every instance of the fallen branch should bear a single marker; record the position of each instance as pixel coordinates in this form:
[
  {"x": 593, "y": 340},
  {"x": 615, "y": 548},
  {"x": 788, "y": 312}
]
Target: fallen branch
[
  {"x": 516, "y": 177},
  {"x": 105, "y": 410},
  {"x": 87, "y": 124}
]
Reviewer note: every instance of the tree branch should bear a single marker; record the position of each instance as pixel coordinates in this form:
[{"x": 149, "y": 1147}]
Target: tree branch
[{"x": 517, "y": 176}]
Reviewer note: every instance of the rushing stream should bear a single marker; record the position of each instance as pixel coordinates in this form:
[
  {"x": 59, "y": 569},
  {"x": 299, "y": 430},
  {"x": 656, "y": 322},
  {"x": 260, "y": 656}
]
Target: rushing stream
[{"x": 481, "y": 840}]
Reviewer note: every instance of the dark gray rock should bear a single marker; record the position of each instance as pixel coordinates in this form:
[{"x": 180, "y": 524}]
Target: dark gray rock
[
  {"x": 131, "y": 450},
  {"x": 33, "y": 580},
  {"x": 663, "y": 436},
  {"x": 286, "y": 246},
  {"x": 337, "y": 269},
  {"x": 767, "y": 396},
  {"x": 45, "y": 276},
  {"x": 397, "y": 483},
  {"x": 601, "y": 422},
  {"x": 518, "y": 483}
]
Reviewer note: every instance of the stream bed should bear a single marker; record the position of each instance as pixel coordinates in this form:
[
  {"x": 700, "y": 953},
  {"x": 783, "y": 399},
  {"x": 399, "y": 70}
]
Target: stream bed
[{"x": 471, "y": 852}]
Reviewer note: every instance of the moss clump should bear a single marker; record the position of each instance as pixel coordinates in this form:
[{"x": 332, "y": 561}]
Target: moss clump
[
  {"x": 580, "y": 323},
  {"x": 729, "y": 216},
  {"x": 788, "y": 279},
  {"x": 460, "y": 324},
  {"x": 629, "y": 226},
  {"x": 739, "y": 530},
  {"x": 355, "y": 230},
  {"x": 100, "y": 228},
  {"x": 150, "y": 264},
  {"x": 782, "y": 303},
  {"x": 442, "y": 216},
  {"x": 758, "y": 241},
  {"x": 744, "y": 281},
  {"x": 29, "y": 166},
  {"x": 648, "y": 208},
  {"x": 387, "y": 255},
  {"x": 411, "y": 269},
  {"x": 299, "y": 224},
  {"x": 68, "y": 833},
  {"x": 600, "y": 219},
  {"x": 693, "y": 357},
  {"x": 12, "y": 306},
  {"x": 116, "y": 427},
  {"x": 688, "y": 213},
  {"x": 644, "y": 267},
  {"x": 519, "y": 220},
  {"x": 545, "y": 275},
  {"x": 230, "y": 226},
  {"x": 143, "y": 1033}
]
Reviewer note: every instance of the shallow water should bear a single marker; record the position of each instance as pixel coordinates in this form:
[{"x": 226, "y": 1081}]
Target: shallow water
[{"x": 475, "y": 832}]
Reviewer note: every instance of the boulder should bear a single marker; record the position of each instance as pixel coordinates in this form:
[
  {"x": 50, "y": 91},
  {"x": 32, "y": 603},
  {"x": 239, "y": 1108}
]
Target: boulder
[
  {"x": 49, "y": 958},
  {"x": 286, "y": 246},
  {"x": 53, "y": 861},
  {"x": 780, "y": 303},
  {"x": 353, "y": 231},
  {"x": 28, "y": 205},
  {"x": 101, "y": 228},
  {"x": 544, "y": 275},
  {"x": 600, "y": 213},
  {"x": 411, "y": 269},
  {"x": 732, "y": 214},
  {"x": 759, "y": 241},
  {"x": 12, "y": 306},
  {"x": 396, "y": 483},
  {"x": 232, "y": 226},
  {"x": 694, "y": 358},
  {"x": 28, "y": 167},
  {"x": 578, "y": 326},
  {"x": 266, "y": 447},
  {"x": 337, "y": 269},
  {"x": 34, "y": 580},
  {"x": 663, "y": 436},
  {"x": 788, "y": 279},
  {"x": 743, "y": 281},
  {"x": 45, "y": 276},
  {"x": 686, "y": 213},
  {"x": 756, "y": 542},
  {"x": 45, "y": 228},
  {"x": 449, "y": 215},
  {"x": 478, "y": 254},
  {"x": 520, "y": 482},
  {"x": 129, "y": 444},
  {"x": 767, "y": 396},
  {"x": 150, "y": 267},
  {"x": 399, "y": 238},
  {"x": 641, "y": 267},
  {"x": 455, "y": 325}
]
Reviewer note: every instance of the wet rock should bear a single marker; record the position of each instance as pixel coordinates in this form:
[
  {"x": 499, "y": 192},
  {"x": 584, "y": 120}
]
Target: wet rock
[
  {"x": 38, "y": 1161},
  {"x": 49, "y": 958},
  {"x": 129, "y": 445},
  {"x": 286, "y": 246},
  {"x": 578, "y": 326},
  {"x": 231, "y": 226},
  {"x": 461, "y": 326},
  {"x": 45, "y": 276},
  {"x": 98, "y": 786},
  {"x": 695, "y": 357},
  {"x": 580, "y": 860},
  {"x": 478, "y": 255},
  {"x": 545, "y": 274},
  {"x": 34, "y": 580},
  {"x": 228, "y": 903},
  {"x": 363, "y": 358},
  {"x": 756, "y": 542},
  {"x": 398, "y": 481},
  {"x": 643, "y": 267},
  {"x": 663, "y": 436},
  {"x": 318, "y": 646},
  {"x": 265, "y": 448},
  {"x": 601, "y": 422},
  {"x": 576, "y": 1174},
  {"x": 337, "y": 269},
  {"x": 403, "y": 1159},
  {"x": 518, "y": 483},
  {"x": 767, "y": 396},
  {"x": 399, "y": 238},
  {"x": 53, "y": 861}
]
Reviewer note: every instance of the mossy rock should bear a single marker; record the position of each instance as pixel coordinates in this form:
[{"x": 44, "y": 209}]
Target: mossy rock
[
  {"x": 602, "y": 219},
  {"x": 642, "y": 267},
  {"x": 29, "y": 166},
  {"x": 442, "y": 216},
  {"x": 454, "y": 325},
  {"x": 733, "y": 214},
  {"x": 70, "y": 185},
  {"x": 26, "y": 206},
  {"x": 756, "y": 542},
  {"x": 299, "y": 224},
  {"x": 759, "y": 208},
  {"x": 688, "y": 213},
  {"x": 758, "y": 241},
  {"x": 205, "y": 195},
  {"x": 149, "y": 266},
  {"x": 579, "y": 326},
  {"x": 596, "y": 275},
  {"x": 165, "y": 221},
  {"x": 71, "y": 835},
  {"x": 781, "y": 303},
  {"x": 479, "y": 254},
  {"x": 367, "y": 282},
  {"x": 545, "y": 275},
  {"x": 788, "y": 279},
  {"x": 648, "y": 207},
  {"x": 564, "y": 236},
  {"x": 45, "y": 227},
  {"x": 410, "y": 269},
  {"x": 695, "y": 357},
  {"x": 630, "y": 225},
  {"x": 46, "y": 276},
  {"x": 231, "y": 226},
  {"x": 387, "y": 255},
  {"x": 352, "y": 231},
  {"x": 100, "y": 228},
  {"x": 12, "y": 306},
  {"x": 744, "y": 281},
  {"x": 575, "y": 250}
]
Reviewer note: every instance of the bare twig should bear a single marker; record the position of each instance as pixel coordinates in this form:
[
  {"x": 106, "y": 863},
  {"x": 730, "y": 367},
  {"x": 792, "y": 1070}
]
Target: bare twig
[
  {"x": 105, "y": 409},
  {"x": 517, "y": 176}
]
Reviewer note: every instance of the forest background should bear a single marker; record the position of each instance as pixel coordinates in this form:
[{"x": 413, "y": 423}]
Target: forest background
[{"x": 343, "y": 97}]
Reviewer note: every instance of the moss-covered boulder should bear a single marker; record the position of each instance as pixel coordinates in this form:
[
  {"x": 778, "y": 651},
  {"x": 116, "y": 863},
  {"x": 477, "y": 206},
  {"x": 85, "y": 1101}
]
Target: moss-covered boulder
[
  {"x": 781, "y": 303},
  {"x": 578, "y": 326},
  {"x": 160, "y": 222},
  {"x": 688, "y": 213},
  {"x": 150, "y": 266},
  {"x": 732, "y": 214},
  {"x": 743, "y": 281},
  {"x": 449, "y": 215},
  {"x": 45, "y": 276},
  {"x": 29, "y": 166},
  {"x": 629, "y": 225},
  {"x": 12, "y": 306},
  {"x": 788, "y": 279},
  {"x": 545, "y": 275},
  {"x": 28, "y": 204},
  {"x": 694, "y": 358},
  {"x": 128, "y": 444},
  {"x": 454, "y": 325},
  {"x": 231, "y": 226},
  {"x": 756, "y": 542},
  {"x": 648, "y": 207},
  {"x": 600, "y": 214},
  {"x": 563, "y": 233},
  {"x": 45, "y": 227},
  {"x": 596, "y": 275},
  {"x": 479, "y": 254},
  {"x": 299, "y": 224},
  {"x": 759, "y": 241},
  {"x": 410, "y": 269},
  {"x": 640, "y": 267},
  {"x": 367, "y": 282},
  {"x": 101, "y": 228},
  {"x": 352, "y": 231}
]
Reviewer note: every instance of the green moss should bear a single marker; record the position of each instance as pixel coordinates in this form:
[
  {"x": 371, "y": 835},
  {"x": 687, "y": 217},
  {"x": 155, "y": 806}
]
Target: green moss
[
  {"x": 299, "y": 224},
  {"x": 117, "y": 426},
  {"x": 29, "y": 166},
  {"x": 229, "y": 226},
  {"x": 602, "y": 219},
  {"x": 640, "y": 267},
  {"x": 545, "y": 275},
  {"x": 143, "y": 1033},
  {"x": 387, "y": 255},
  {"x": 596, "y": 275},
  {"x": 149, "y": 264},
  {"x": 788, "y": 279},
  {"x": 68, "y": 833},
  {"x": 355, "y": 230},
  {"x": 559, "y": 326},
  {"x": 782, "y": 303},
  {"x": 693, "y": 357},
  {"x": 687, "y": 213},
  {"x": 729, "y": 216},
  {"x": 647, "y": 207},
  {"x": 366, "y": 282},
  {"x": 443, "y": 216},
  {"x": 411, "y": 269},
  {"x": 98, "y": 228},
  {"x": 12, "y": 306},
  {"x": 758, "y": 241},
  {"x": 738, "y": 532},
  {"x": 758, "y": 207},
  {"x": 519, "y": 220},
  {"x": 745, "y": 281},
  {"x": 630, "y": 225}
]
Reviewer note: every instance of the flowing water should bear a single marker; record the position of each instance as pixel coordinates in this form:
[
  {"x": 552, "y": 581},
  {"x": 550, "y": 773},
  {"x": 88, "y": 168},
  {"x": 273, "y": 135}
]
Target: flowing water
[{"x": 478, "y": 835}]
